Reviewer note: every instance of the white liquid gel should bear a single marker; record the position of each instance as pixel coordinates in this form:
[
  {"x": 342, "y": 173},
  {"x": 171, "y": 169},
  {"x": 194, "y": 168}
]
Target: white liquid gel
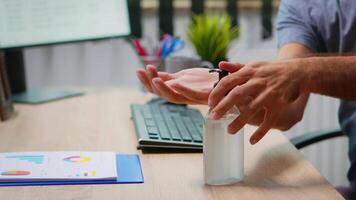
[{"x": 223, "y": 152}]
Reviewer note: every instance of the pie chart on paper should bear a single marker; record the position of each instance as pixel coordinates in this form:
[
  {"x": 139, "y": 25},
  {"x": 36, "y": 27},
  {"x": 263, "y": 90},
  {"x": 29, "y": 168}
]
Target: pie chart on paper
[{"x": 77, "y": 159}]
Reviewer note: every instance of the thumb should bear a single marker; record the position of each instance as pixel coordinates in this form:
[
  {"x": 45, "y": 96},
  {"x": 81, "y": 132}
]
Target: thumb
[{"x": 230, "y": 67}]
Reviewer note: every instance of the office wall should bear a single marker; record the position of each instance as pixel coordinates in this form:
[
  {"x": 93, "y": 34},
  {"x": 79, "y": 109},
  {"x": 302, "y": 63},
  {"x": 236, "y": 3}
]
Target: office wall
[{"x": 113, "y": 62}]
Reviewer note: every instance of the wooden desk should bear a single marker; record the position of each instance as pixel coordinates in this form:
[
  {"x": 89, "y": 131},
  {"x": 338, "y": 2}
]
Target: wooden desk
[{"x": 100, "y": 121}]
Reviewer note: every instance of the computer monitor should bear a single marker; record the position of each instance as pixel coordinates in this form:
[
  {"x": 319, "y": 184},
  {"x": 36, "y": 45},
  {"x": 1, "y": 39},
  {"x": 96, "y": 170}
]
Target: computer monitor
[
  {"x": 25, "y": 23},
  {"x": 28, "y": 23}
]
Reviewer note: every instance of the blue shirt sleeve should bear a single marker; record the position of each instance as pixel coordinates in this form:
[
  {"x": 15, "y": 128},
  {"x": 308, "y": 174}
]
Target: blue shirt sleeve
[{"x": 294, "y": 26}]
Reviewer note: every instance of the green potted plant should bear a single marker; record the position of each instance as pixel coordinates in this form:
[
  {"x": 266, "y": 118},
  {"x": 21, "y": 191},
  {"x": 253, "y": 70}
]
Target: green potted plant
[{"x": 211, "y": 36}]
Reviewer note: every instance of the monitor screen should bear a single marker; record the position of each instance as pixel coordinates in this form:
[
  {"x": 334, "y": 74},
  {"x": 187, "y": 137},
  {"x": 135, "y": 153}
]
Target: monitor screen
[{"x": 26, "y": 23}]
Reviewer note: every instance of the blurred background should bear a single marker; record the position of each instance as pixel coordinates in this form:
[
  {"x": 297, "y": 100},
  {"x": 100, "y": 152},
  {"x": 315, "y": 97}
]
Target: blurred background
[{"x": 113, "y": 63}]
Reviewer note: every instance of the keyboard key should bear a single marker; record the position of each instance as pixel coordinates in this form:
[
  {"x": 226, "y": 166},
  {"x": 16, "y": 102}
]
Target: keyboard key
[
  {"x": 150, "y": 122},
  {"x": 154, "y": 108},
  {"x": 152, "y": 130},
  {"x": 146, "y": 112},
  {"x": 170, "y": 123},
  {"x": 182, "y": 129},
  {"x": 163, "y": 130},
  {"x": 157, "y": 115},
  {"x": 195, "y": 115},
  {"x": 192, "y": 130},
  {"x": 155, "y": 137},
  {"x": 173, "y": 129},
  {"x": 172, "y": 108},
  {"x": 182, "y": 109},
  {"x": 199, "y": 127}
]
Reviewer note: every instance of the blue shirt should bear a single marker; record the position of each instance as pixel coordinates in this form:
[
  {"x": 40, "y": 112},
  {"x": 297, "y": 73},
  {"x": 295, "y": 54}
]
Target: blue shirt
[
  {"x": 324, "y": 26},
  {"x": 321, "y": 25}
]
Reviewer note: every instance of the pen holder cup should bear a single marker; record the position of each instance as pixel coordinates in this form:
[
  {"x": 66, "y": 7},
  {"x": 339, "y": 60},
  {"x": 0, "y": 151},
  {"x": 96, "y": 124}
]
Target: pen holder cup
[{"x": 175, "y": 64}]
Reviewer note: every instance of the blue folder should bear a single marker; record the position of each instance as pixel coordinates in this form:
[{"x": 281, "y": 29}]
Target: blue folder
[{"x": 129, "y": 171}]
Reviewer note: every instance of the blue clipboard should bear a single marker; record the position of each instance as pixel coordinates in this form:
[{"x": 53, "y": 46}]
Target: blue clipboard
[{"x": 129, "y": 171}]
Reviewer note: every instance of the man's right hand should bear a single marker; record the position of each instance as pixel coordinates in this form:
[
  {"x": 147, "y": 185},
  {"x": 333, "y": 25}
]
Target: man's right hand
[{"x": 190, "y": 86}]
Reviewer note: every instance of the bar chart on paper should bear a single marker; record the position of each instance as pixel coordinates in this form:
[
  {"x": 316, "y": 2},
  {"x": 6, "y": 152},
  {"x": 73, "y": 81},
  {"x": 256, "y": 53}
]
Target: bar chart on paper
[{"x": 36, "y": 159}]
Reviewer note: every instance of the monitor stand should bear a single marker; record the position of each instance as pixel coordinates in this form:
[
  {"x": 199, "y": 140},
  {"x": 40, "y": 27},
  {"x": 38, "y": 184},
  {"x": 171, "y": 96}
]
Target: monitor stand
[{"x": 15, "y": 67}]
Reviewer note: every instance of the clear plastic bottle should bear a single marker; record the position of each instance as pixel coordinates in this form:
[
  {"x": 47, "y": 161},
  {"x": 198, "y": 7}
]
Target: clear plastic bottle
[{"x": 223, "y": 152}]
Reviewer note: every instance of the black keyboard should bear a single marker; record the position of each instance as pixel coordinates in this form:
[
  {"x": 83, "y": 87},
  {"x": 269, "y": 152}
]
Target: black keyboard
[{"x": 168, "y": 126}]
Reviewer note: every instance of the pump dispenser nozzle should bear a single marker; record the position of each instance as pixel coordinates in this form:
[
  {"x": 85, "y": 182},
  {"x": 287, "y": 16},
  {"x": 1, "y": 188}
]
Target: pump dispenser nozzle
[{"x": 222, "y": 74}]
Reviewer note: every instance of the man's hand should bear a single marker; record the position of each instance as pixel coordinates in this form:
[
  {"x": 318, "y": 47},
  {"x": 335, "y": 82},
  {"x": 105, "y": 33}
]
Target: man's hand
[
  {"x": 190, "y": 86},
  {"x": 271, "y": 86}
]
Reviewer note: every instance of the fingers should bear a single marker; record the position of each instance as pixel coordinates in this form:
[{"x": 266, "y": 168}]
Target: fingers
[
  {"x": 168, "y": 93},
  {"x": 165, "y": 76},
  {"x": 263, "y": 100},
  {"x": 239, "y": 96},
  {"x": 146, "y": 76},
  {"x": 230, "y": 67},
  {"x": 268, "y": 122},
  {"x": 153, "y": 73},
  {"x": 143, "y": 77},
  {"x": 241, "y": 121},
  {"x": 227, "y": 83},
  {"x": 196, "y": 96},
  {"x": 257, "y": 118},
  {"x": 222, "y": 88},
  {"x": 154, "y": 82}
]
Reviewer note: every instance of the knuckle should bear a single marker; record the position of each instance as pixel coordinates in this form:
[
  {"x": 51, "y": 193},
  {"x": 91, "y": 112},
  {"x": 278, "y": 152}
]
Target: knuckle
[
  {"x": 254, "y": 64},
  {"x": 224, "y": 82},
  {"x": 248, "y": 72},
  {"x": 250, "y": 64},
  {"x": 261, "y": 82},
  {"x": 259, "y": 63},
  {"x": 274, "y": 93},
  {"x": 221, "y": 109},
  {"x": 236, "y": 93},
  {"x": 212, "y": 93},
  {"x": 218, "y": 112}
]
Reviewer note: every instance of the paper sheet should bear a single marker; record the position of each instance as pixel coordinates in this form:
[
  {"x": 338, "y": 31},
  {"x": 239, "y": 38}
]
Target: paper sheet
[{"x": 29, "y": 166}]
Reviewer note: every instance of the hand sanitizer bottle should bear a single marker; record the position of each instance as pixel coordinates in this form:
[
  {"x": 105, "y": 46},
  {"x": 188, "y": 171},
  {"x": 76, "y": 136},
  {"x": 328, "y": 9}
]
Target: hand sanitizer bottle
[{"x": 223, "y": 153}]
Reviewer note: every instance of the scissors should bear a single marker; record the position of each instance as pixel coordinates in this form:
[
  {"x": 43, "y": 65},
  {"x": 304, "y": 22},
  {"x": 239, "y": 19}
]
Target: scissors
[{"x": 171, "y": 44}]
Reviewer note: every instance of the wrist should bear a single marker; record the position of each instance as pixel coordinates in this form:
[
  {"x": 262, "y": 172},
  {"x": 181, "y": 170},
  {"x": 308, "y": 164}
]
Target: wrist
[
  {"x": 310, "y": 74},
  {"x": 301, "y": 71}
]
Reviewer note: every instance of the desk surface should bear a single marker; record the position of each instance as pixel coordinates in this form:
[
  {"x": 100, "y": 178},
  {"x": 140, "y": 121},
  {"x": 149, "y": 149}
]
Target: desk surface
[{"x": 100, "y": 121}]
